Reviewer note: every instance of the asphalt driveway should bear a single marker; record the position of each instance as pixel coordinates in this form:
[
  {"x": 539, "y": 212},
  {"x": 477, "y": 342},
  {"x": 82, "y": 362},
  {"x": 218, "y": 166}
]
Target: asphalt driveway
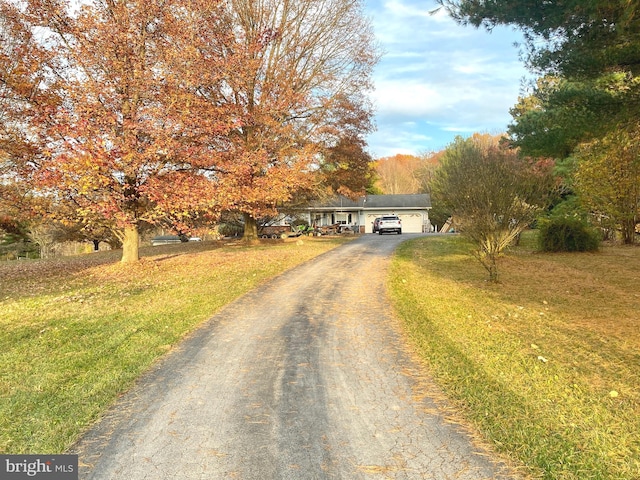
[{"x": 305, "y": 377}]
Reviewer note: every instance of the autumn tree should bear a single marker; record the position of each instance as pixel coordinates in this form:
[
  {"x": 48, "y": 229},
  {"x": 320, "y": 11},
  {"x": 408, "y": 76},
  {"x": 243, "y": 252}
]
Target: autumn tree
[
  {"x": 25, "y": 96},
  {"x": 23, "y": 87},
  {"x": 406, "y": 174},
  {"x": 425, "y": 173},
  {"x": 492, "y": 192},
  {"x": 174, "y": 111},
  {"x": 133, "y": 140},
  {"x": 608, "y": 181},
  {"x": 398, "y": 174},
  {"x": 344, "y": 167},
  {"x": 14, "y": 211},
  {"x": 300, "y": 61}
]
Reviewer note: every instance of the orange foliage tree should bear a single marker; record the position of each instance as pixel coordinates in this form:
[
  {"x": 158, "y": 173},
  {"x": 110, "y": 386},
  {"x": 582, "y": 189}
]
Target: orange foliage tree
[
  {"x": 300, "y": 61},
  {"x": 344, "y": 166},
  {"x": 23, "y": 88},
  {"x": 406, "y": 174},
  {"x": 26, "y": 98},
  {"x": 133, "y": 140}
]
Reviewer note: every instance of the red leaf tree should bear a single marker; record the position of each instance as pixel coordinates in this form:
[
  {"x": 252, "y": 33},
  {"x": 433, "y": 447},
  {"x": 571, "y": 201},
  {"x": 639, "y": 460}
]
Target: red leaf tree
[{"x": 133, "y": 140}]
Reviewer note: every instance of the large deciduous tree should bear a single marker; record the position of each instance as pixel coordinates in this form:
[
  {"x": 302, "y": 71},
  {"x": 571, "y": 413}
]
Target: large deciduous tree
[
  {"x": 27, "y": 97},
  {"x": 23, "y": 86},
  {"x": 344, "y": 167},
  {"x": 492, "y": 192},
  {"x": 146, "y": 111},
  {"x": 301, "y": 61},
  {"x": 133, "y": 140}
]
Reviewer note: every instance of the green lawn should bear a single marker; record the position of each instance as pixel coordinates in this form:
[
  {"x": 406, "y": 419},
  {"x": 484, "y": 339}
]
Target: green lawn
[
  {"x": 77, "y": 332},
  {"x": 545, "y": 364}
]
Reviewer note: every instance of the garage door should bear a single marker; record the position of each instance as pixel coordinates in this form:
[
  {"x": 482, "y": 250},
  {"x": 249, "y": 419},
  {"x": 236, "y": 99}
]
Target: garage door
[{"x": 411, "y": 222}]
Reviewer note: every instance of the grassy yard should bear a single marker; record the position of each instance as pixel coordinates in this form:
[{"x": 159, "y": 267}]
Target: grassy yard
[
  {"x": 545, "y": 364},
  {"x": 75, "y": 333}
]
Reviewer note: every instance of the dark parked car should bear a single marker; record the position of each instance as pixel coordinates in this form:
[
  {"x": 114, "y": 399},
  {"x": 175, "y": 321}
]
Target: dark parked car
[{"x": 376, "y": 225}]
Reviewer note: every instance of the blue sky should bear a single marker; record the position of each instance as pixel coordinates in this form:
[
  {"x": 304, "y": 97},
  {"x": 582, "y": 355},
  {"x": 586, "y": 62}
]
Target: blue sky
[{"x": 437, "y": 80}]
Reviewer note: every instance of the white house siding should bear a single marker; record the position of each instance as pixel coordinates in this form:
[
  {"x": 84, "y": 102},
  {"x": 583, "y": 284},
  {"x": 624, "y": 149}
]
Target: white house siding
[{"x": 326, "y": 219}]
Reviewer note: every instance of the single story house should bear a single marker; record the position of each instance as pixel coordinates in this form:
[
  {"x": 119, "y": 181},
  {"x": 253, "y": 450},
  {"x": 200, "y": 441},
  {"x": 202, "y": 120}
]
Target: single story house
[{"x": 359, "y": 215}]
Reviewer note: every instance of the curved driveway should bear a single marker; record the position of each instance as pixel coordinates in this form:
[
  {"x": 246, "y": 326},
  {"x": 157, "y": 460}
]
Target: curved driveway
[{"x": 305, "y": 377}]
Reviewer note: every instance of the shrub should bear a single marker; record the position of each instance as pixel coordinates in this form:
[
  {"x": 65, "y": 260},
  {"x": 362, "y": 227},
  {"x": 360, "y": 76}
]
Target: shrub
[
  {"x": 567, "y": 234},
  {"x": 492, "y": 193}
]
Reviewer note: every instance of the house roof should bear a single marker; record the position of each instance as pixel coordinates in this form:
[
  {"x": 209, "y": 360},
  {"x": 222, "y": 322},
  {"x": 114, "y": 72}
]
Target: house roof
[
  {"x": 413, "y": 201},
  {"x": 376, "y": 202},
  {"x": 337, "y": 202}
]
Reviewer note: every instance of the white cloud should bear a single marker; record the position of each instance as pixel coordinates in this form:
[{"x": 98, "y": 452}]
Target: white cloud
[
  {"x": 402, "y": 9},
  {"x": 407, "y": 99},
  {"x": 438, "y": 78}
]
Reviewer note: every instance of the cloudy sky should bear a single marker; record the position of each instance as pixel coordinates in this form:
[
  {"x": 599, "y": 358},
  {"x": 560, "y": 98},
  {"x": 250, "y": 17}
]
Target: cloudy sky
[{"x": 437, "y": 80}]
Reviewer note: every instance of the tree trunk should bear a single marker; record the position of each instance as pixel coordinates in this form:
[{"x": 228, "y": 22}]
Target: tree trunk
[
  {"x": 488, "y": 258},
  {"x": 131, "y": 245},
  {"x": 492, "y": 268},
  {"x": 628, "y": 231},
  {"x": 250, "y": 228}
]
